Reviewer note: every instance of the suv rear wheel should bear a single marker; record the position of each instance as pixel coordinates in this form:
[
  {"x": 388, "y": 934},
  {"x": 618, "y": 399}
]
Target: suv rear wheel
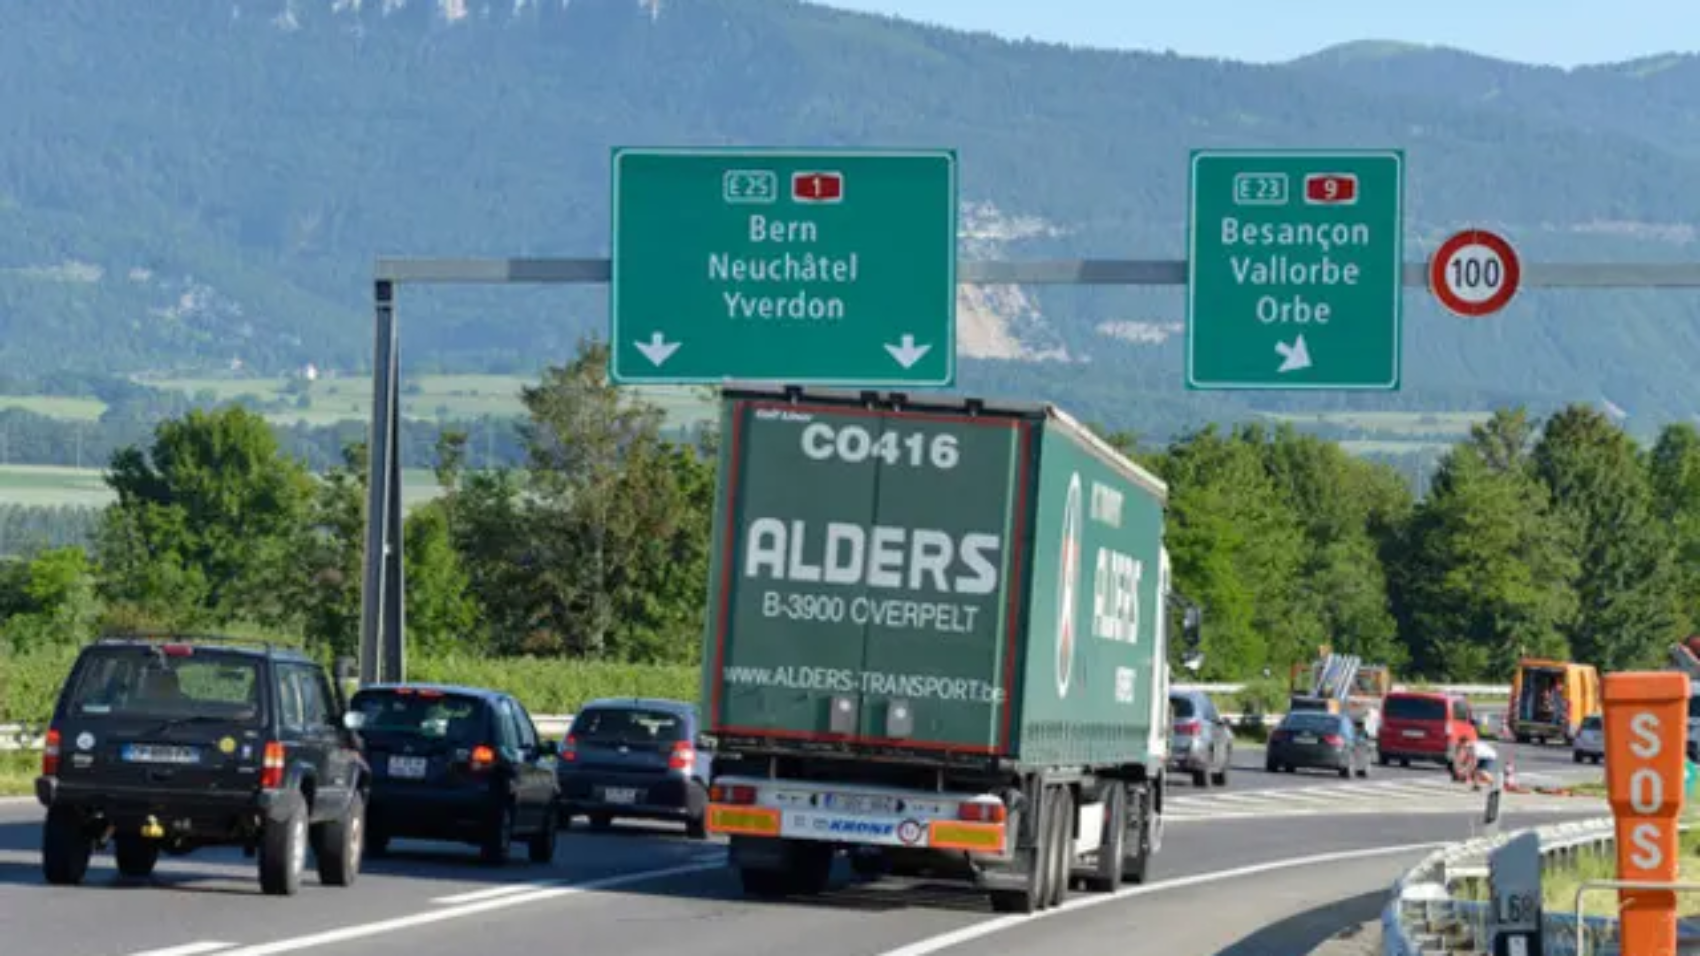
[
  {"x": 283, "y": 853},
  {"x": 338, "y": 844},
  {"x": 65, "y": 848}
]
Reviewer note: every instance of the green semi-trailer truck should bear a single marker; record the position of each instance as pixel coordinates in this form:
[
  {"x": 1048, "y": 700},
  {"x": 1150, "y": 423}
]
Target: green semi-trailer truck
[{"x": 936, "y": 638}]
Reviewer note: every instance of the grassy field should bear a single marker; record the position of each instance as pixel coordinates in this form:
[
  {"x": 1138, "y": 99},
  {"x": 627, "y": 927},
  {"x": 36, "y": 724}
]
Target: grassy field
[
  {"x": 17, "y": 772},
  {"x": 1559, "y": 883},
  {"x": 52, "y": 486},
  {"x": 77, "y": 409}
]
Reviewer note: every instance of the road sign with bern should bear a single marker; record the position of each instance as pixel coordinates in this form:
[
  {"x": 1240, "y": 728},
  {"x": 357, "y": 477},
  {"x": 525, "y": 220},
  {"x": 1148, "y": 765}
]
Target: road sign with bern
[
  {"x": 794, "y": 266},
  {"x": 1474, "y": 273},
  {"x": 1295, "y": 269}
]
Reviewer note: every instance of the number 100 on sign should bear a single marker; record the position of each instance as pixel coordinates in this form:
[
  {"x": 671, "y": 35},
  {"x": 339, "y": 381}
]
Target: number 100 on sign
[{"x": 1474, "y": 273}]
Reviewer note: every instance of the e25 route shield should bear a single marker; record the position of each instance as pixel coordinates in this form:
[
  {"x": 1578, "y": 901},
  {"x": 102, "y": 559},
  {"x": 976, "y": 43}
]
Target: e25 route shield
[{"x": 863, "y": 558}]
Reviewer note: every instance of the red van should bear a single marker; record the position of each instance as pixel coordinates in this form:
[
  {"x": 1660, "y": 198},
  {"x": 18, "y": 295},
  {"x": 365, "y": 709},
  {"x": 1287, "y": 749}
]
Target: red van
[{"x": 1423, "y": 725}]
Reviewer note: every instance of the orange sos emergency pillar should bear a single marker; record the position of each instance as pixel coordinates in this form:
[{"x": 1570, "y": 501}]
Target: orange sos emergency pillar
[{"x": 1646, "y": 724}]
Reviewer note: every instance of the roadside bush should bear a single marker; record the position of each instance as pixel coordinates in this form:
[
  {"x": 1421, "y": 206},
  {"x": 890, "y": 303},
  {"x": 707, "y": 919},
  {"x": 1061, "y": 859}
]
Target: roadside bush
[
  {"x": 29, "y": 684},
  {"x": 554, "y": 686}
]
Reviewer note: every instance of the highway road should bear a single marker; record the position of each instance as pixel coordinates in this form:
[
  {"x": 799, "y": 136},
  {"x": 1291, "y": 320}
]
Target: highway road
[{"x": 641, "y": 890}]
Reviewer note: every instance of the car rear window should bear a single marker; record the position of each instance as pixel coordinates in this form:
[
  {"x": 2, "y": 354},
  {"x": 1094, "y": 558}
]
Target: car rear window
[
  {"x": 1415, "y": 708},
  {"x": 1694, "y": 707},
  {"x": 432, "y": 715},
  {"x": 1182, "y": 708},
  {"x": 1311, "y": 721},
  {"x": 147, "y": 682},
  {"x": 630, "y": 725}
]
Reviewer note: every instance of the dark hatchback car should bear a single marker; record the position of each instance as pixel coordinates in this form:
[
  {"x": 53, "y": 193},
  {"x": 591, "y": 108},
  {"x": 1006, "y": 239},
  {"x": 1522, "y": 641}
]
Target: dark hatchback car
[
  {"x": 461, "y": 764},
  {"x": 1319, "y": 740},
  {"x": 170, "y": 744},
  {"x": 635, "y": 758}
]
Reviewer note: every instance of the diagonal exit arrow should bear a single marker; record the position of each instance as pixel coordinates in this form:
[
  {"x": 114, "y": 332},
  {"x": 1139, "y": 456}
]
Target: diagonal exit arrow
[{"x": 1293, "y": 357}]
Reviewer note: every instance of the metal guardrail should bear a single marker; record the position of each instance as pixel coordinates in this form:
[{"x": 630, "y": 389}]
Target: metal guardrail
[{"x": 1423, "y": 917}]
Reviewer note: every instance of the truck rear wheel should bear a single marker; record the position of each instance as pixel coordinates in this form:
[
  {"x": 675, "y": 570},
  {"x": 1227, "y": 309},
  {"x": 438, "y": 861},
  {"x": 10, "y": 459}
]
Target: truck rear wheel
[
  {"x": 1039, "y": 872},
  {"x": 1136, "y": 858},
  {"x": 1062, "y": 847}
]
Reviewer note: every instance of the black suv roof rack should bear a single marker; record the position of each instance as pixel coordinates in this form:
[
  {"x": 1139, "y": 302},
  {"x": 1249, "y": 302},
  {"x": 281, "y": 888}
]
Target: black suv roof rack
[{"x": 191, "y": 637}]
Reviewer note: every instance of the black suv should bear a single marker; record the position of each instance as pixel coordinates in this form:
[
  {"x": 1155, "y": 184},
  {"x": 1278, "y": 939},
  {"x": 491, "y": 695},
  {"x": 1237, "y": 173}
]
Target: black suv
[{"x": 169, "y": 744}]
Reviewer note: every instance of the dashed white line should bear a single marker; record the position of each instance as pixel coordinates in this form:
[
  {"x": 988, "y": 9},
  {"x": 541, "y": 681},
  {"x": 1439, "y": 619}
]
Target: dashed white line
[
  {"x": 494, "y": 892},
  {"x": 383, "y": 927},
  {"x": 187, "y": 949}
]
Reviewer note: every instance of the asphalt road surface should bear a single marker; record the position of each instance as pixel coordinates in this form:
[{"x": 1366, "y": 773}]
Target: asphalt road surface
[{"x": 1277, "y": 887}]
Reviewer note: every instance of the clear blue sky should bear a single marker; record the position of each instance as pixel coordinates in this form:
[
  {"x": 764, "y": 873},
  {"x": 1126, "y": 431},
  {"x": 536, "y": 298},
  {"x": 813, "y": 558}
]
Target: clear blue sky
[{"x": 1556, "y": 32}]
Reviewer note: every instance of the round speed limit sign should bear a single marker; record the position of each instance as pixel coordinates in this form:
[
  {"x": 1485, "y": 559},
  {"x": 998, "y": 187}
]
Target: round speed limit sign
[{"x": 1474, "y": 273}]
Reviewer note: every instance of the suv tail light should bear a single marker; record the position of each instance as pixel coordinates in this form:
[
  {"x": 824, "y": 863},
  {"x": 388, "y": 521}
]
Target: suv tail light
[
  {"x": 177, "y": 650},
  {"x": 483, "y": 757},
  {"x": 569, "y": 748},
  {"x": 271, "y": 769},
  {"x": 982, "y": 812},
  {"x": 738, "y": 794},
  {"x": 683, "y": 757},
  {"x": 50, "y": 753},
  {"x": 1188, "y": 728}
]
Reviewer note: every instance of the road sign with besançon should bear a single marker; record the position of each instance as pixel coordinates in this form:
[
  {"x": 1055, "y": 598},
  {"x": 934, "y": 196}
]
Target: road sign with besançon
[
  {"x": 1295, "y": 269},
  {"x": 795, "y": 266}
]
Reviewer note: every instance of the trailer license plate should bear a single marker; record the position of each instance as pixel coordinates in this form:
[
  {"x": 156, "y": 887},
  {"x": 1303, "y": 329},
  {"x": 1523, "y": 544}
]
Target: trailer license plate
[
  {"x": 407, "y": 768},
  {"x": 859, "y": 803},
  {"x": 619, "y": 794}
]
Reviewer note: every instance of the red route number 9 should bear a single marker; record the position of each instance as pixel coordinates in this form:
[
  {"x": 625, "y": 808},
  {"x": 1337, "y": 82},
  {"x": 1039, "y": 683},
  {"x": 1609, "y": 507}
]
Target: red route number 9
[{"x": 1330, "y": 188}]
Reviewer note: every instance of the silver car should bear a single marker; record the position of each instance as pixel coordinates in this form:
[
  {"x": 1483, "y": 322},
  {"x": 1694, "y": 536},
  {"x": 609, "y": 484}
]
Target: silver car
[
  {"x": 1590, "y": 741},
  {"x": 1200, "y": 741}
]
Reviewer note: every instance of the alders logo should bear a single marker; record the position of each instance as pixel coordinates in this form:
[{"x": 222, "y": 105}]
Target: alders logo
[{"x": 1068, "y": 579}]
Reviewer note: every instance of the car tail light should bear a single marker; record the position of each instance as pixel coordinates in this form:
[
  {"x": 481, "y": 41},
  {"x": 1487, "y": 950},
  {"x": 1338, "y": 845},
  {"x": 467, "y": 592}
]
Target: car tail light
[
  {"x": 1334, "y": 740},
  {"x": 569, "y": 748},
  {"x": 1188, "y": 728},
  {"x": 50, "y": 754},
  {"x": 483, "y": 757},
  {"x": 740, "y": 794},
  {"x": 1279, "y": 735},
  {"x": 271, "y": 767},
  {"x": 683, "y": 757},
  {"x": 982, "y": 812}
]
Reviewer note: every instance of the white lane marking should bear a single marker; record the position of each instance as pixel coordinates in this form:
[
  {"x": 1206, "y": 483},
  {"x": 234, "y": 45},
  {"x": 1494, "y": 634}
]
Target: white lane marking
[
  {"x": 494, "y": 892},
  {"x": 977, "y": 930},
  {"x": 383, "y": 927},
  {"x": 187, "y": 949}
]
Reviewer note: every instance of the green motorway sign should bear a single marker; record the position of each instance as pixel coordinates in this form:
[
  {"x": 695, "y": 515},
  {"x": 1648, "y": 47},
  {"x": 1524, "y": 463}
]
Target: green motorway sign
[
  {"x": 795, "y": 266},
  {"x": 1295, "y": 269}
]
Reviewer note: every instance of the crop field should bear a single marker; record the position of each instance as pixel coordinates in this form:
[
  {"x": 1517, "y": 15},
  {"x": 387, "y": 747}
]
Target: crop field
[
  {"x": 53, "y": 406},
  {"x": 50, "y": 486}
]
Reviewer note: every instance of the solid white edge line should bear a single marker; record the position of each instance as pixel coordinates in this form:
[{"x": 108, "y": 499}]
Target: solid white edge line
[
  {"x": 187, "y": 949},
  {"x": 494, "y": 892},
  {"x": 967, "y": 933},
  {"x": 363, "y": 930}
]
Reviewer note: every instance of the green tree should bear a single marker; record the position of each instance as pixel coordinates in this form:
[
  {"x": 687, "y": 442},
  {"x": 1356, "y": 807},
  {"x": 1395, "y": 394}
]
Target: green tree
[
  {"x": 208, "y": 518},
  {"x": 1675, "y": 475},
  {"x": 48, "y": 601},
  {"x": 1488, "y": 571},
  {"x": 1628, "y": 589}
]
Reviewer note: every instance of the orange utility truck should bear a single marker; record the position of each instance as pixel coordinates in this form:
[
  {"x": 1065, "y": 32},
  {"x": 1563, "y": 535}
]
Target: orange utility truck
[{"x": 1550, "y": 699}]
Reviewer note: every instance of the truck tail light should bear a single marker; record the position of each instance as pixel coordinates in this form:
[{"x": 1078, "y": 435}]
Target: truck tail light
[
  {"x": 483, "y": 758},
  {"x": 271, "y": 766},
  {"x": 982, "y": 812},
  {"x": 683, "y": 757},
  {"x": 736, "y": 794},
  {"x": 50, "y": 753}
]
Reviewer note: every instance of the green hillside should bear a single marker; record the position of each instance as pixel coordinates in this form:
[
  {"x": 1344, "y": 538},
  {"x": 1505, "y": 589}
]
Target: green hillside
[{"x": 178, "y": 214}]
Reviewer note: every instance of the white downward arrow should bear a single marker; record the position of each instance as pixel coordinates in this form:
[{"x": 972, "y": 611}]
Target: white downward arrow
[
  {"x": 1293, "y": 357},
  {"x": 908, "y": 353},
  {"x": 657, "y": 349}
]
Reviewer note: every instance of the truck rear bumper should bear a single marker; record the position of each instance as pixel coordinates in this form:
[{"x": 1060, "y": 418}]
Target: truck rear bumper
[{"x": 909, "y": 820}]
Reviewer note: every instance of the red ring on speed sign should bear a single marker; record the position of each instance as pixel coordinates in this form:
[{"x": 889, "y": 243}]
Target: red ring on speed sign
[{"x": 1440, "y": 284}]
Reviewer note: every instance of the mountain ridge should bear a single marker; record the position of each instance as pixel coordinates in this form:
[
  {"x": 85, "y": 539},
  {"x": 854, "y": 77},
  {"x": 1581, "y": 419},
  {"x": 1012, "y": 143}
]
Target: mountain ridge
[{"x": 226, "y": 205}]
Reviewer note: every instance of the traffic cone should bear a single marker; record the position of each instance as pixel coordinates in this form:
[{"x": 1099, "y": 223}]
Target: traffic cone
[{"x": 1511, "y": 775}]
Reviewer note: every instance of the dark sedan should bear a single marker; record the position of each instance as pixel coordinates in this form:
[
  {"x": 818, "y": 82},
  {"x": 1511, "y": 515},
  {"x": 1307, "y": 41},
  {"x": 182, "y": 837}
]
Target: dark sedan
[
  {"x": 456, "y": 763},
  {"x": 635, "y": 758},
  {"x": 1319, "y": 740}
]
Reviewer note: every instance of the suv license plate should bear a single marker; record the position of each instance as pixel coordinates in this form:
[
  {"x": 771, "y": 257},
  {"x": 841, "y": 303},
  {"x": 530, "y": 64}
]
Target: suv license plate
[
  {"x": 411, "y": 768},
  {"x": 619, "y": 794},
  {"x": 148, "y": 753}
]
